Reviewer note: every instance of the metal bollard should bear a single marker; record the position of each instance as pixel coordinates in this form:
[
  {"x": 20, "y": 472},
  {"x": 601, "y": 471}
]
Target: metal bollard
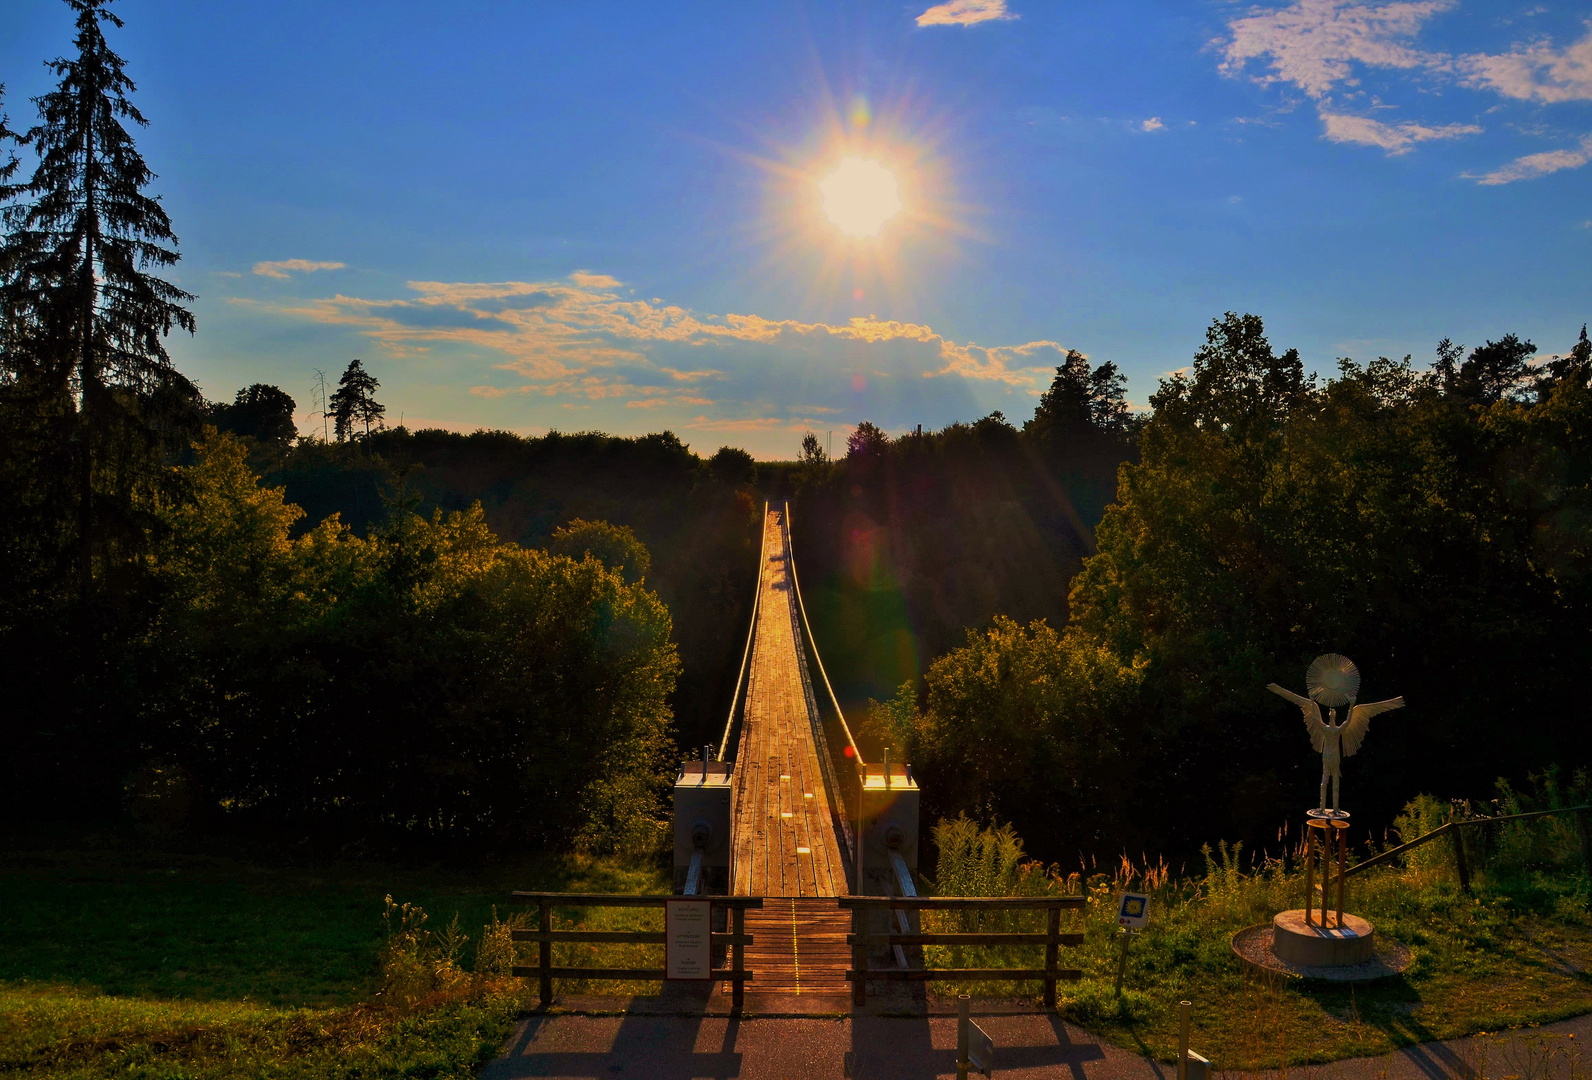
[{"x": 963, "y": 1004}]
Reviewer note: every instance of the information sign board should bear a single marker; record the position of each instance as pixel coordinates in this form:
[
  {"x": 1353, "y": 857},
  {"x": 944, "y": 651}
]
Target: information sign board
[
  {"x": 980, "y": 1049},
  {"x": 688, "y": 942},
  {"x": 1133, "y": 910}
]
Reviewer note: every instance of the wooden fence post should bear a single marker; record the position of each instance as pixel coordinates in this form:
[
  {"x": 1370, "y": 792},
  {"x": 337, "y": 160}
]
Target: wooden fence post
[
  {"x": 1052, "y": 936},
  {"x": 545, "y": 951},
  {"x": 738, "y": 957},
  {"x": 1459, "y": 857},
  {"x": 859, "y": 956},
  {"x": 1584, "y": 821}
]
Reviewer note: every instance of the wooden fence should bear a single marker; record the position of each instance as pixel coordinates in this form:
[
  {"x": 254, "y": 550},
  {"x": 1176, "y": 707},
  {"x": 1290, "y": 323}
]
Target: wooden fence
[
  {"x": 1052, "y": 939},
  {"x": 1453, "y": 828},
  {"x": 544, "y": 935}
]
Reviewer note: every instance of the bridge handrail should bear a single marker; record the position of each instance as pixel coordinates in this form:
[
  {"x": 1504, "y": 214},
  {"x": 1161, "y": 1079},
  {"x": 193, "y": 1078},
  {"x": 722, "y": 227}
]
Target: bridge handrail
[
  {"x": 544, "y": 936},
  {"x": 751, "y": 631},
  {"x": 861, "y": 940},
  {"x": 796, "y": 587}
]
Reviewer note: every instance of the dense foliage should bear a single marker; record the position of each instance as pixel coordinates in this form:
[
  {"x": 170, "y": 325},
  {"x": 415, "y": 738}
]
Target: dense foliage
[
  {"x": 1433, "y": 526},
  {"x": 905, "y": 542}
]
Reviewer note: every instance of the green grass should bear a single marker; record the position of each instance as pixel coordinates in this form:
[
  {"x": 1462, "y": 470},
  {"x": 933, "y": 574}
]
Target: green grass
[
  {"x": 1517, "y": 952},
  {"x": 134, "y": 962}
]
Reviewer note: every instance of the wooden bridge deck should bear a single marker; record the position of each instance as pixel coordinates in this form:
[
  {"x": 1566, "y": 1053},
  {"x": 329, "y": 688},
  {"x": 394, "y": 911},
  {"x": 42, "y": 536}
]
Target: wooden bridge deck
[{"x": 783, "y": 820}]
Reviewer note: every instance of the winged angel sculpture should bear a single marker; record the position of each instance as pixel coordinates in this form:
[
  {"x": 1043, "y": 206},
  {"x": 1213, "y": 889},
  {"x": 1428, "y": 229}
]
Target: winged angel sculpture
[{"x": 1334, "y": 681}]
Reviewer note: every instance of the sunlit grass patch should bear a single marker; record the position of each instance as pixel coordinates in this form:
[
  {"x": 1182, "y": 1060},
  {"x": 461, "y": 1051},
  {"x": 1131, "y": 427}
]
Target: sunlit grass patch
[{"x": 1516, "y": 952}]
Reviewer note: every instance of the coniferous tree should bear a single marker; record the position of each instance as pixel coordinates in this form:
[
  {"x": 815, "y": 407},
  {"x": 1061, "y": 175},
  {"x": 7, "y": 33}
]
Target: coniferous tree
[
  {"x": 81, "y": 237},
  {"x": 355, "y": 402}
]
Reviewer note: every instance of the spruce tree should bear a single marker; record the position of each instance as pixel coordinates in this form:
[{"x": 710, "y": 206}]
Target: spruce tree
[
  {"x": 81, "y": 238},
  {"x": 355, "y": 402}
]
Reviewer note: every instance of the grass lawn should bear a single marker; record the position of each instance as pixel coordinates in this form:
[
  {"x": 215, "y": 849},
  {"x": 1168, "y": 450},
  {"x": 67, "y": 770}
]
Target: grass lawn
[
  {"x": 119, "y": 959},
  {"x": 1516, "y": 952}
]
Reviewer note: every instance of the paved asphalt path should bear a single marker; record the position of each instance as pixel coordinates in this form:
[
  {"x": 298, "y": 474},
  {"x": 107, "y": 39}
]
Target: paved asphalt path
[{"x": 1029, "y": 1045}]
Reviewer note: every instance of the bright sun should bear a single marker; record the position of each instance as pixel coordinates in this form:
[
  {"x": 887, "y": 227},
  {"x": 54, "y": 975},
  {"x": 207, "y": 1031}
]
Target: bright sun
[{"x": 860, "y": 196}]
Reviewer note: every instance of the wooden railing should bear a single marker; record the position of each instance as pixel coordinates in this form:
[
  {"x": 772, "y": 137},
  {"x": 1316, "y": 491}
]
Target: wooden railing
[
  {"x": 1453, "y": 829},
  {"x": 544, "y": 935},
  {"x": 1052, "y": 939}
]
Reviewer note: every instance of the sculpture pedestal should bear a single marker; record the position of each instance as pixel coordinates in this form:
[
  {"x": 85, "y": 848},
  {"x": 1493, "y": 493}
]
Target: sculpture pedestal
[{"x": 1313, "y": 945}]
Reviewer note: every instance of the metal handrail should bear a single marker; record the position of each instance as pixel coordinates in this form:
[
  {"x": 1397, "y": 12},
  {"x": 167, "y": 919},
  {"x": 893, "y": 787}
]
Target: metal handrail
[
  {"x": 790, "y": 561},
  {"x": 1441, "y": 829},
  {"x": 746, "y": 654}
]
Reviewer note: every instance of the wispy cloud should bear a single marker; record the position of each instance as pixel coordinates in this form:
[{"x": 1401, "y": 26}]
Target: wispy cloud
[
  {"x": 588, "y": 280},
  {"x": 283, "y": 267},
  {"x": 1534, "y": 165},
  {"x": 1152, "y": 124},
  {"x": 1315, "y": 44},
  {"x": 1536, "y": 72},
  {"x": 562, "y": 339},
  {"x": 1394, "y": 138},
  {"x": 965, "y": 13}
]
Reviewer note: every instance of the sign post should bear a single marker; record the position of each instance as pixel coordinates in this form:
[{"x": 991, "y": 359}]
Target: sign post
[
  {"x": 688, "y": 940},
  {"x": 1133, "y": 913}
]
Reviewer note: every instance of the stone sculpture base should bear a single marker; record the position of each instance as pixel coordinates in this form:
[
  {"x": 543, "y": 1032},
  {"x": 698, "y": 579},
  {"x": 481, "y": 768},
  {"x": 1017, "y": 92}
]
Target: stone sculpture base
[{"x": 1313, "y": 945}]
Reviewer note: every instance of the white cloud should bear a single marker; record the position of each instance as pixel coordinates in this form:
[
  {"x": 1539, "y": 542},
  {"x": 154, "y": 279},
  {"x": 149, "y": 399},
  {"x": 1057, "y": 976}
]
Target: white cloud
[
  {"x": 965, "y": 13},
  {"x": 1315, "y": 44},
  {"x": 566, "y": 340},
  {"x": 282, "y": 267},
  {"x": 1534, "y": 165},
  {"x": 1394, "y": 138},
  {"x": 588, "y": 280},
  {"x": 1152, "y": 124},
  {"x": 1536, "y": 72}
]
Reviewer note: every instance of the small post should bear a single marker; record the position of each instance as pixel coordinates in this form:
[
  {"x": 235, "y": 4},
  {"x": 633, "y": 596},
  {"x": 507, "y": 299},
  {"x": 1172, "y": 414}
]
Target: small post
[
  {"x": 1326, "y": 871},
  {"x": 887, "y": 768},
  {"x": 1459, "y": 857},
  {"x": 1052, "y": 936},
  {"x": 545, "y": 951},
  {"x": 1183, "y": 1008},
  {"x": 1310, "y": 872},
  {"x": 1343, "y": 858},
  {"x": 861, "y": 826},
  {"x": 859, "y": 956},
  {"x": 706, "y": 750},
  {"x": 963, "y": 1004},
  {"x": 1122, "y": 963},
  {"x": 738, "y": 957},
  {"x": 1585, "y": 822}
]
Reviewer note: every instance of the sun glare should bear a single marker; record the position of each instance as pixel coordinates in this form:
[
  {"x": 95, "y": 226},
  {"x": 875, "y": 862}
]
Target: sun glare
[{"x": 860, "y": 196}]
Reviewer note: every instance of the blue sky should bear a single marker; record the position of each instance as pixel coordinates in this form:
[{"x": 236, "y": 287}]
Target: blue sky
[{"x": 606, "y": 216}]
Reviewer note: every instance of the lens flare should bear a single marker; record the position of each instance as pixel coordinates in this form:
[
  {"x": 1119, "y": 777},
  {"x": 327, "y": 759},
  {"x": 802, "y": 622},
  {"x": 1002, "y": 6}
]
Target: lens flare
[{"x": 860, "y": 196}]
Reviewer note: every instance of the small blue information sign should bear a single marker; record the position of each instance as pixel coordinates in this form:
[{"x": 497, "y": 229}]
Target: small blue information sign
[{"x": 1133, "y": 910}]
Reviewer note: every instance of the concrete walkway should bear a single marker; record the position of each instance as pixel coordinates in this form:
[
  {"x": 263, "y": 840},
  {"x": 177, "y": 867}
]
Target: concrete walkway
[{"x": 1029, "y": 1045}]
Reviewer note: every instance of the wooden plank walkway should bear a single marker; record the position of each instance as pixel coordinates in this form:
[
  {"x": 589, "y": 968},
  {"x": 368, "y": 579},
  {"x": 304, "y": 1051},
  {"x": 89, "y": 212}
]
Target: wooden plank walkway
[
  {"x": 799, "y": 947},
  {"x": 783, "y": 822}
]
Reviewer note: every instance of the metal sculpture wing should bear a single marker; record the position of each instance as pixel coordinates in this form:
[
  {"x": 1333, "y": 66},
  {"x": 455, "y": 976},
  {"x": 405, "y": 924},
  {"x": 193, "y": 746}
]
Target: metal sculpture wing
[
  {"x": 1360, "y": 722},
  {"x": 1333, "y": 680},
  {"x": 1312, "y": 713}
]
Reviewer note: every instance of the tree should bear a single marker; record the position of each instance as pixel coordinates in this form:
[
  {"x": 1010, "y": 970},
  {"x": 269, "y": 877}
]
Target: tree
[
  {"x": 615, "y": 546},
  {"x": 732, "y": 465},
  {"x": 262, "y": 412},
  {"x": 81, "y": 236},
  {"x": 8, "y": 139},
  {"x": 1082, "y": 398},
  {"x": 812, "y": 450},
  {"x": 1497, "y": 371},
  {"x": 354, "y": 401},
  {"x": 1575, "y": 367},
  {"x": 867, "y": 444}
]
